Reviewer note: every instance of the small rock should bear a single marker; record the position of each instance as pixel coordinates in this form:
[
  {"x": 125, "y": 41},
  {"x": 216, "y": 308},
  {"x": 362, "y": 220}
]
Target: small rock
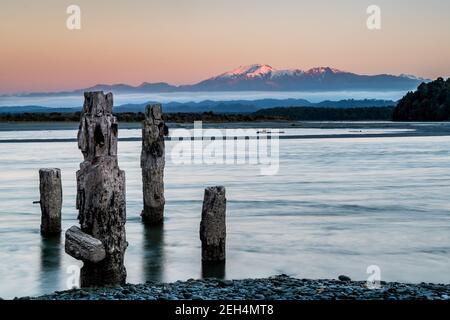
[
  {"x": 225, "y": 283},
  {"x": 344, "y": 278},
  {"x": 187, "y": 295}
]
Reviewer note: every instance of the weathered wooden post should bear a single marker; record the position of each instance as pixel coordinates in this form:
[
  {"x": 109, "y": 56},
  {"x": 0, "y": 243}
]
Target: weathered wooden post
[
  {"x": 152, "y": 164},
  {"x": 100, "y": 197},
  {"x": 51, "y": 200},
  {"x": 212, "y": 225}
]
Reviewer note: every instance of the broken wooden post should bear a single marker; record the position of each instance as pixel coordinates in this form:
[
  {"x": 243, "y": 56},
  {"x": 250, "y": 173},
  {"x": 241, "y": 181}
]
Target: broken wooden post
[
  {"x": 212, "y": 226},
  {"x": 152, "y": 164},
  {"x": 100, "y": 195},
  {"x": 51, "y": 200},
  {"x": 84, "y": 247}
]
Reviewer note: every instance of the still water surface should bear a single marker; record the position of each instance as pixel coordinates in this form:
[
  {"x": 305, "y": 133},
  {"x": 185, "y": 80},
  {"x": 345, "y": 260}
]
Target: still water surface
[{"x": 335, "y": 207}]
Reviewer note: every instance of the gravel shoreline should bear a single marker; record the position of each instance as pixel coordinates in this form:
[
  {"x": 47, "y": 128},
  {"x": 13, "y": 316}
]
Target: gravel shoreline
[{"x": 280, "y": 287}]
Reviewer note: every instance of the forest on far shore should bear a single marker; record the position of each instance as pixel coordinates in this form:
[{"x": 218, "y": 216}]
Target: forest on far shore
[
  {"x": 430, "y": 102},
  {"x": 139, "y": 116},
  {"x": 273, "y": 114}
]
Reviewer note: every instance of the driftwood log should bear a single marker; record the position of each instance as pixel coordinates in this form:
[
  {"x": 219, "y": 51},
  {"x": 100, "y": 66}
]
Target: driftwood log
[
  {"x": 101, "y": 191},
  {"x": 50, "y": 200},
  {"x": 212, "y": 226},
  {"x": 152, "y": 164},
  {"x": 84, "y": 247}
]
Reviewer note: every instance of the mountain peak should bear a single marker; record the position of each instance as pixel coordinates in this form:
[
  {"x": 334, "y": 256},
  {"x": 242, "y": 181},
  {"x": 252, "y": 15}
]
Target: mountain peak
[
  {"x": 413, "y": 77},
  {"x": 253, "y": 71},
  {"x": 249, "y": 71},
  {"x": 322, "y": 70}
]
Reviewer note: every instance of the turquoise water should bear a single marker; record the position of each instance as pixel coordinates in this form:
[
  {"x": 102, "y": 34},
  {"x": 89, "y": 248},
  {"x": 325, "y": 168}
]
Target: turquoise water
[{"x": 335, "y": 207}]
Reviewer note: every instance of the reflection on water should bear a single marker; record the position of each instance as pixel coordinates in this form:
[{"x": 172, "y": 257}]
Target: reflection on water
[
  {"x": 50, "y": 261},
  {"x": 213, "y": 269},
  {"x": 153, "y": 252}
]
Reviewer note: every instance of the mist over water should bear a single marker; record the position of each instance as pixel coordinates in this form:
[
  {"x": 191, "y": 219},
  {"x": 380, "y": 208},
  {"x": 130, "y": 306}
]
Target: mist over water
[
  {"x": 76, "y": 100},
  {"x": 335, "y": 207}
]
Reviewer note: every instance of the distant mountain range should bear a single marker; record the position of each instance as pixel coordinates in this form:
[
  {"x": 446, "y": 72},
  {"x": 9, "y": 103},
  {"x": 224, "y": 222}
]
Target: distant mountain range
[
  {"x": 265, "y": 78},
  {"x": 236, "y": 106},
  {"x": 262, "y": 77}
]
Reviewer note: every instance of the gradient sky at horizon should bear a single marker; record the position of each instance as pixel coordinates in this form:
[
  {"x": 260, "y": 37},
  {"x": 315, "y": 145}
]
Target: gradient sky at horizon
[{"x": 185, "y": 41}]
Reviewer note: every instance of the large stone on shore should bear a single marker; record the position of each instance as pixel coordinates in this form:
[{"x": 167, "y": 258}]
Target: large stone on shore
[
  {"x": 212, "y": 225},
  {"x": 152, "y": 164},
  {"x": 101, "y": 191},
  {"x": 50, "y": 200}
]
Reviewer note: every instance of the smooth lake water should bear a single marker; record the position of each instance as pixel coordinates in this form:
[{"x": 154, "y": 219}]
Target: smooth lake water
[{"x": 336, "y": 206}]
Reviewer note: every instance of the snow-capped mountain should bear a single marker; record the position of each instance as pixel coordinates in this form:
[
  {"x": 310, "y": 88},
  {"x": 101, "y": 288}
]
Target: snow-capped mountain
[
  {"x": 411, "y": 76},
  {"x": 263, "y": 77},
  {"x": 251, "y": 71},
  {"x": 265, "y": 71}
]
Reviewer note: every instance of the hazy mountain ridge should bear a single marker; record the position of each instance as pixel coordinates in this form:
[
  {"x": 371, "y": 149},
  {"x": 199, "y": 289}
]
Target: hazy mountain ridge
[{"x": 262, "y": 77}]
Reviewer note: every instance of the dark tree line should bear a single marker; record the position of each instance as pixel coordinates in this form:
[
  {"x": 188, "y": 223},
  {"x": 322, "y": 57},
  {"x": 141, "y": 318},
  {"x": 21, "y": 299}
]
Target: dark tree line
[
  {"x": 139, "y": 116},
  {"x": 430, "y": 102},
  {"x": 41, "y": 117},
  {"x": 331, "y": 114},
  {"x": 272, "y": 114}
]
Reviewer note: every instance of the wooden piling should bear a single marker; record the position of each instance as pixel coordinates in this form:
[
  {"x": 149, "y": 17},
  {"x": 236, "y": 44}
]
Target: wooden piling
[
  {"x": 152, "y": 164},
  {"x": 100, "y": 193},
  {"x": 212, "y": 225},
  {"x": 50, "y": 200}
]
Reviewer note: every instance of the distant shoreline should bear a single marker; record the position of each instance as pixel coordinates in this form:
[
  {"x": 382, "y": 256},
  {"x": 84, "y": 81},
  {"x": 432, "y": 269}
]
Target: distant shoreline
[
  {"x": 303, "y": 137},
  {"x": 287, "y": 129},
  {"x": 262, "y": 115},
  {"x": 131, "y": 117}
]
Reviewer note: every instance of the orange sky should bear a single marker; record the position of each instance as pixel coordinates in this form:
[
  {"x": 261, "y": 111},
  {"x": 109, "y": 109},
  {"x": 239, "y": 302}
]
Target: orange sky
[{"x": 185, "y": 41}]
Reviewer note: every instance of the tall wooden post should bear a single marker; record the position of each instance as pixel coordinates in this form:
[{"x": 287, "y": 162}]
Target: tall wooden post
[
  {"x": 152, "y": 164},
  {"x": 212, "y": 225},
  {"x": 51, "y": 200},
  {"x": 100, "y": 196}
]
